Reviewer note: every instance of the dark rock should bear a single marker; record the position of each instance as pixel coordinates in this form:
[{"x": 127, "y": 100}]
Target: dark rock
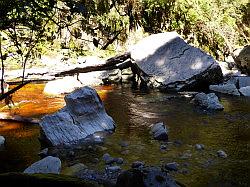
[
  {"x": 83, "y": 115},
  {"x": 47, "y": 165},
  {"x": 145, "y": 177},
  {"x": 124, "y": 144},
  {"x": 113, "y": 169},
  {"x": 108, "y": 159},
  {"x": 130, "y": 178},
  {"x": 242, "y": 60},
  {"x": 43, "y": 153},
  {"x": 42, "y": 180},
  {"x": 208, "y": 101},
  {"x": 137, "y": 164},
  {"x": 119, "y": 160},
  {"x": 178, "y": 143},
  {"x": 173, "y": 166},
  {"x": 163, "y": 147},
  {"x": 166, "y": 61},
  {"x": 159, "y": 131}
]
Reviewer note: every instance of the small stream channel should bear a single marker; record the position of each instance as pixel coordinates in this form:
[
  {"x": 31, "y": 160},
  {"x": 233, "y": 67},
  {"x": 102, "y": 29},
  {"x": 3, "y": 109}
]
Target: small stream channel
[{"x": 133, "y": 112}]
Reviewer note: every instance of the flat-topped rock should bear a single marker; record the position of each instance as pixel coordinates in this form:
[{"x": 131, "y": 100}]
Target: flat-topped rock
[
  {"x": 228, "y": 88},
  {"x": 47, "y": 165},
  {"x": 166, "y": 61},
  {"x": 83, "y": 115}
]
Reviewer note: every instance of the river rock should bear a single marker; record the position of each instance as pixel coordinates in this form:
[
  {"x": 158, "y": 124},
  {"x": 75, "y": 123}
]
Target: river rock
[
  {"x": 83, "y": 115},
  {"x": 173, "y": 166},
  {"x": 159, "y": 131},
  {"x": 208, "y": 101},
  {"x": 243, "y": 81},
  {"x": 47, "y": 165},
  {"x": 145, "y": 177},
  {"x": 166, "y": 61},
  {"x": 225, "y": 88},
  {"x": 245, "y": 91},
  {"x": 221, "y": 154},
  {"x": 242, "y": 59},
  {"x": 2, "y": 141}
]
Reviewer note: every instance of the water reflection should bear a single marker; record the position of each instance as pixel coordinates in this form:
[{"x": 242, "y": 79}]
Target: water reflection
[{"x": 134, "y": 112}]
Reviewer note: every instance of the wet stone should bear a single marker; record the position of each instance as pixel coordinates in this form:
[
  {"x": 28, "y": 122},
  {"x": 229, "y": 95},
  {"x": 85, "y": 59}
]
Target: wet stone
[{"x": 137, "y": 164}]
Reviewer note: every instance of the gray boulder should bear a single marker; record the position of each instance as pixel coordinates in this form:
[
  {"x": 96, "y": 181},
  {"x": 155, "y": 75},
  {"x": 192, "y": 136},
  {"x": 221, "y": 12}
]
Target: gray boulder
[
  {"x": 166, "y": 61},
  {"x": 242, "y": 59},
  {"x": 47, "y": 165},
  {"x": 225, "y": 88},
  {"x": 159, "y": 131},
  {"x": 2, "y": 141},
  {"x": 245, "y": 91},
  {"x": 208, "y": 101},
  {"x": 83, "y": 115}
]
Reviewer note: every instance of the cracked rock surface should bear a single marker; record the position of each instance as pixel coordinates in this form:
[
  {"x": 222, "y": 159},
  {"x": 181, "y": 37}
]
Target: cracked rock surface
[
  {"x": 166, "y": 60},
  {"x": 83, "y": 115}
]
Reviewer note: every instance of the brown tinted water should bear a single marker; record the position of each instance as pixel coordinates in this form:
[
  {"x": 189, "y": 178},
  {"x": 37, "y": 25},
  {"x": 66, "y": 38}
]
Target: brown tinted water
[{"x": 134, "y": 112}]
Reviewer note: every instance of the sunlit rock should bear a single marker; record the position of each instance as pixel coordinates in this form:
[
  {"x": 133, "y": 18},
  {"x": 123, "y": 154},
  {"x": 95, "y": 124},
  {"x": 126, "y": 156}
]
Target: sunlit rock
[
  {"x": 83, "y": 115},
  {"x": 166, "y": 61},
  {"x": 47, "y": 165},
  {"x": 208, "y": 101}
]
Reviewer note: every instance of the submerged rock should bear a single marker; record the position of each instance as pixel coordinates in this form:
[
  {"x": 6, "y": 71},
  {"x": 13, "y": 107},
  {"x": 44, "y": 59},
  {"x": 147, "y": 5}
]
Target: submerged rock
[
  {"x": 199, "y": 147},
  {"x": 159, "y": 131},
  {"x": 83, "y": 115},
  {"x": 47, "y": 165},
  {"x": 166, "y": 61},
  {"x": 208, "y": 101},
  {"x": 225, "y": 88}
]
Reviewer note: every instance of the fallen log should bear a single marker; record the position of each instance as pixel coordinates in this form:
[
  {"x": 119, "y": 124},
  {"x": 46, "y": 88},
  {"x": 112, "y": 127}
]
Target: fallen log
[
  {"x": 8, "y": 117},
  {"x": 5, "y": 95},
  {"x": 109, "y": 65}
]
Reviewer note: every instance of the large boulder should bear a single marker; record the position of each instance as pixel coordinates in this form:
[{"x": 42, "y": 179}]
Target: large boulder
[
  {"x": 242, "y": 59},
  {"x": 245, "y": 91},
  {"x": 166, "y": 61},
  {"x": 208, "y": 101},
  {"x": 47, "y": 165},
  {"x": 83, "y": 115}
]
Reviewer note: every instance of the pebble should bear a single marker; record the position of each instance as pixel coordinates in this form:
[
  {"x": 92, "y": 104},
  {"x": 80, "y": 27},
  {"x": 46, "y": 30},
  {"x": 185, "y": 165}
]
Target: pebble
[
  {"x": 113, "y": 169},
  {"x": 173, "y": 166},
  {"x": 199, "y": 147},
  {"x": 221, "y": 154},
  {"x": 137, "y": 164}
]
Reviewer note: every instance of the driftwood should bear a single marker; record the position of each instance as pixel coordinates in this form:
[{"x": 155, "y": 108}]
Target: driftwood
[
  {"x": 109, "y": 65},
  {"x": 5, "y": 95},
  {"x": 8, "y": 117}
]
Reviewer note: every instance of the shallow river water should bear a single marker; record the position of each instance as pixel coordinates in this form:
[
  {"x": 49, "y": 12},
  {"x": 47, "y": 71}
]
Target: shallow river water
[{"x": 134, "y": 111}]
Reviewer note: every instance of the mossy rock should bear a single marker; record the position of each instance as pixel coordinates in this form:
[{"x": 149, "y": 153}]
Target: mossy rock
[{"x": 43, "y": 180}]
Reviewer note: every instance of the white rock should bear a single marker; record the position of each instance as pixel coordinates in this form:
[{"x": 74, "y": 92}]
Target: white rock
[
  {"x": 83, "y": 115},
  {"x": 168, "y": 62},
  {"x": 47, "y": 165}
]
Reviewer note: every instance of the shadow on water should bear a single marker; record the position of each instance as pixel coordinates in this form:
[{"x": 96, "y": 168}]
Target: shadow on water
[{"x": 134, "y": 112}]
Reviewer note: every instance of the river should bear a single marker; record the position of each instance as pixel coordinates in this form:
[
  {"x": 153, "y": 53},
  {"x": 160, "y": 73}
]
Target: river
[{"x": 134, "y": 111}]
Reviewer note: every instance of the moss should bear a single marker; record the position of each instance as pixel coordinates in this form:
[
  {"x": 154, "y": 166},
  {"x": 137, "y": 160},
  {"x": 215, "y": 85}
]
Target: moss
[{"x": 42, "y": 180}]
